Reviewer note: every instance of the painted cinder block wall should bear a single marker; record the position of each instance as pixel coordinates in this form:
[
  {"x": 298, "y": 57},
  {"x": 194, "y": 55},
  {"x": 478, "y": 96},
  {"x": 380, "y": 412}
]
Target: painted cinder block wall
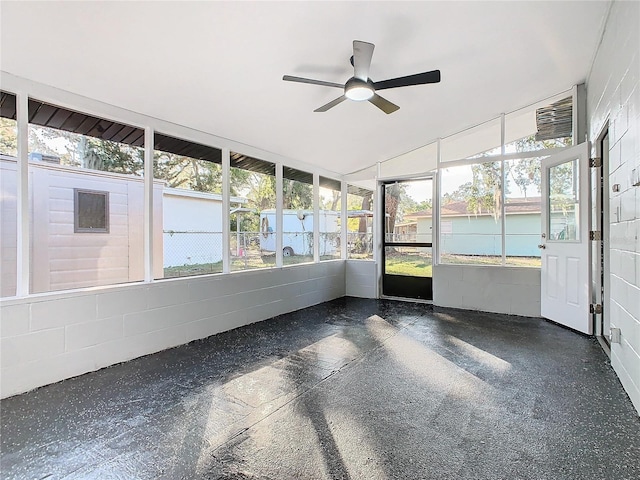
[
  {"x": 613, "y": 94},
  {"x": 510, "y": 290},
  {"x": 50, "y": 337}
]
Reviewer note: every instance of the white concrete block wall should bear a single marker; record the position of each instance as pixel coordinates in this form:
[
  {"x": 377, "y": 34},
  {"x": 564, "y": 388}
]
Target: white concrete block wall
[
  {"x": 510, "y": 290},
  {"x": 51, "y": 337},
  {"x": 361, "y": 279},
  {"x": 613, "y": 93}
]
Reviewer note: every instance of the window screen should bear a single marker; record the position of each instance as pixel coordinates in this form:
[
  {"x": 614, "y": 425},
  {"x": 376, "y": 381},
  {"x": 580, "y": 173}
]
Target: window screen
[{"x": 91, "y": 211}]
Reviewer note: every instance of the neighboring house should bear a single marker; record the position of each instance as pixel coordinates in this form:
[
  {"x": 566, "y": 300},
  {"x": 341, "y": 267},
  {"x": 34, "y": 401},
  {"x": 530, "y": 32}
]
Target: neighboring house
[
  {"x": 86, "y": 226},
  {"x": 468, "y": 233}
]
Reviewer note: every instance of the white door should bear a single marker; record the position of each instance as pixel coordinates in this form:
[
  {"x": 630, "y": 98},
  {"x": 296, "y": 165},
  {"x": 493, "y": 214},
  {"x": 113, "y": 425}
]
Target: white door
[{"x": 566, "y": 266}]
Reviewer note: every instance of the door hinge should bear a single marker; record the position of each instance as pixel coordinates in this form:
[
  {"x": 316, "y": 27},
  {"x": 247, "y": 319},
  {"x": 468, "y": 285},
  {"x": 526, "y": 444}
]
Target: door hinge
[
  {"x": 595, "y": 235},
  {"x": 595, "y": 308},
  {"x": 595, "y": 162}
]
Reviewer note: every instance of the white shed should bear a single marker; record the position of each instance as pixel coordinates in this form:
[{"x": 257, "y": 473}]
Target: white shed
[{"x": 67, "y": 251}]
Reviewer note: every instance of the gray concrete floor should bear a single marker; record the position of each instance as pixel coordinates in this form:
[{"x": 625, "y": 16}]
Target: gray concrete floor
[{"x": 350, "y": 389}]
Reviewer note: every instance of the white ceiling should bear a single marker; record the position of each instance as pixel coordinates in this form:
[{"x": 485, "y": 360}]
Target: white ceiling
[{"x": 218, "y": 66}]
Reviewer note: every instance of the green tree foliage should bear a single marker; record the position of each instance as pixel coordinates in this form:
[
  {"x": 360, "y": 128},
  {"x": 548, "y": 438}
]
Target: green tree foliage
[
  {"x": 525, "y": 173},
  {"x": 259, "y": 190},
  {"x": 8, "y": 137},
  {"x": 484, "y": 193},
  {"x": 297, "y": 195},
  {"x": 109, "y": 156},
  {"x": 189, "y": 173},
  {"x": 563, "y": 187}
]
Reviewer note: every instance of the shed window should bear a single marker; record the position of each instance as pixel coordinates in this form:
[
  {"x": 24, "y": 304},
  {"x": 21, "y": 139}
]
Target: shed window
[{"x": 91, "y": 211}]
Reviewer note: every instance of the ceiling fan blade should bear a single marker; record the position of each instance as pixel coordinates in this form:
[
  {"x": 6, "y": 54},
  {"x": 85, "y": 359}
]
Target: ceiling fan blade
[
  {"x": 417, "y": 79},
  {"x": 289, "y": 78},
  {"x": 331, "y": 104},
  {"x": 383, "y": 104},
  {"x": 362, "y": 53}
]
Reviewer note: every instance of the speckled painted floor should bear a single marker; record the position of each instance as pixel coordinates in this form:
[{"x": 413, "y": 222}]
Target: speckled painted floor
[{"x": 351, "y": 389}]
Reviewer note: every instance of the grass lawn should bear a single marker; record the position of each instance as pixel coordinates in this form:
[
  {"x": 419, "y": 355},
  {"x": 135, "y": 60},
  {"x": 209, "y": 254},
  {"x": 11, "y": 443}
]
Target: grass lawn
[
  {"x": 251, "y": 261},
  {"x": 407, "y": 264},
  {"x": 489, "y": 260},
  {"x": 396, "y": 264}
]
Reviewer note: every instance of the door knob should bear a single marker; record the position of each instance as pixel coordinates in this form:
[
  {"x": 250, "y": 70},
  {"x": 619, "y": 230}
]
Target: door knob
[{"x": 542, "y": 246}]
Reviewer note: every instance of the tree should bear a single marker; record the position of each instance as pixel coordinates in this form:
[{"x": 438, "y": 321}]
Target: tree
[
  {"x": 330, "y": 203},
  {"x": 8, "y": 137},
  {"x": 530, "y": 144},
  {"x": 562, "y": 187},
  {"x": 526, "y": 173},
  {"x": 484, "y": 193},
  {"x": 392, "y": 195},
  {"x": 98, "y": 154},
  {"x": 259, "y": 190},
  {"x": 297, "y": 195},
  {"x": 367, "y": 204}
]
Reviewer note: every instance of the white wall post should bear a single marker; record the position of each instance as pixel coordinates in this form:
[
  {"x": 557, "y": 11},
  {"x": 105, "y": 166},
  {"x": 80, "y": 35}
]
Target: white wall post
[
  {"x": 316, "y": 217},
  {"x": 503, "y": 213},
  {"x": 226, "y": 192},
  {"x": 279, "y": 221},
  {"x": 148, "y": 205},
  {"x": 23, "y": 261},
  {"x": 435, "y": 211},
  {"x": 344, "y": 219}
]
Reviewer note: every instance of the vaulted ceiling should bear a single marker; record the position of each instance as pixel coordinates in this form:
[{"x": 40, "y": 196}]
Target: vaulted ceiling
[{"x": 218, "y": 66}]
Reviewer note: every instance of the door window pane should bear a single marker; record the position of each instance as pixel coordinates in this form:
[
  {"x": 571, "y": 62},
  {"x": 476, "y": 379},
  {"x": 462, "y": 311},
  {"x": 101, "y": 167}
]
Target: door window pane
[
  {"x": 409, "y": 261},
  {"x": 564, "y": 202},
  {"x": 408, "y": 211}
]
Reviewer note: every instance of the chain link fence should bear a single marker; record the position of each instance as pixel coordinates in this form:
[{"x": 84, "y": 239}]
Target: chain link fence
[
  {"x": 191, "y": 253},
  {"x": 360, "y": 245}
]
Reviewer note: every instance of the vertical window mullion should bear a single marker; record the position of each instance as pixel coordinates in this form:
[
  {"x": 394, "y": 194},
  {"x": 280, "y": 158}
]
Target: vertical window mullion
[
  {"x": 23, "y": 224},
  {"x": 226, "y": 191},
  {"x": 316, "y": 218},
  {"x": 503, "y": 213},
  {"x": 148, "y": 253},
  {"x": 343, "y": 220},
  {"x": 279, "y": 221},
  {"x": 435, "y": 209}
]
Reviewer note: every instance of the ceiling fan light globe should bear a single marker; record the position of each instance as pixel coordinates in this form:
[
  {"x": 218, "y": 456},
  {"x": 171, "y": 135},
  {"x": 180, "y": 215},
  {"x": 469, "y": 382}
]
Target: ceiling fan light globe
[{"x": 359, "y": 93}]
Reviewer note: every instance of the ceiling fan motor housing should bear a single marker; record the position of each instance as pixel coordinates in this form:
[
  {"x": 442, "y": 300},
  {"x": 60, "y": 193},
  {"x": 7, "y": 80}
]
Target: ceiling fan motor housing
[{"x": 359, "y": 90}]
